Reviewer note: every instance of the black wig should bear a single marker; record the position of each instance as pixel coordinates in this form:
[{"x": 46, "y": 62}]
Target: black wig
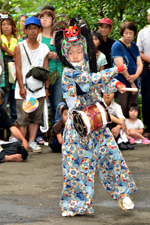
[{"x": 85, "y": 31}]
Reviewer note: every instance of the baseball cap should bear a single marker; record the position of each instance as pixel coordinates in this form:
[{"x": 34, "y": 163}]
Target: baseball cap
[
  {"x": 32, "y": 20},
  {"x": 105, "y": 20}
]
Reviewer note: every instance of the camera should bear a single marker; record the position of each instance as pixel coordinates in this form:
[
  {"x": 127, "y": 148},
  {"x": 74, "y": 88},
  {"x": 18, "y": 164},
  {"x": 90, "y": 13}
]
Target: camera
[{"x": 3, "y": 16}]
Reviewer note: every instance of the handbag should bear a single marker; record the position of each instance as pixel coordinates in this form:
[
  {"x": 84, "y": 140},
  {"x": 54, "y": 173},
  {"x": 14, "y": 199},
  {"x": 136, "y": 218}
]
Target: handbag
[
  {"x": 38, "y": 72},
  {"x": 53, "y": 77},
  {"x": 12, "y": 72}
]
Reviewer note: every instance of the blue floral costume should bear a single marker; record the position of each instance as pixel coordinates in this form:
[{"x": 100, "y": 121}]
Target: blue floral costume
[{"x": 81, "y": 156}]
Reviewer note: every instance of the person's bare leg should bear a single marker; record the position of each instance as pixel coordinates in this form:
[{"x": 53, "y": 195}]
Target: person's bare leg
[
  {"x": 16, "y": 125},
  {"x": 13, "y": 158},
  {"x": 33, "y": 128},
  {"x": 23, "y": 130},
  {"x": 136, "y": 135}
]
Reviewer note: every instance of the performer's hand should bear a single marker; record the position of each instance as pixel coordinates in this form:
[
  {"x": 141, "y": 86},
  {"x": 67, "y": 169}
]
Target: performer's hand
[
  {"x": 119, "y": 86},
  {"x": 122, "y": 68}
]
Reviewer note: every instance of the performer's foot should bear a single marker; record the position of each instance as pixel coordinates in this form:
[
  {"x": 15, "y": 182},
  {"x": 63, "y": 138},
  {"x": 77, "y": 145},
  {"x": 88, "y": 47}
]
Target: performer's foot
[
  {"x": 126, "y": 203},
  {"x": 68, "y": 213}
]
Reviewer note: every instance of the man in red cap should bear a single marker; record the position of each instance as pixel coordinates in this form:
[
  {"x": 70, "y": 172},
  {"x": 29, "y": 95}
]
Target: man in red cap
[{"x": 105, "y": 27}]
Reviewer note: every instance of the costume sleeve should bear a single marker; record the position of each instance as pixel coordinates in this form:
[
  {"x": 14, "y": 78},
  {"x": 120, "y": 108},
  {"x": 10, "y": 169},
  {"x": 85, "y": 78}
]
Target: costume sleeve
[
  {"x": 94, "y": 80},
  {"x": 87, "y": 81},
  {"x": 110, "y": 87}
]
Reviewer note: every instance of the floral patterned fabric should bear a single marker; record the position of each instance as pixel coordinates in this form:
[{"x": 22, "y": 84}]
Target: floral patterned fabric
[{"x": 81, "y": 156}]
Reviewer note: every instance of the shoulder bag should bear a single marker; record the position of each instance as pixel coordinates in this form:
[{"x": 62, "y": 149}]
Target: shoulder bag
[
  {"x": 39, "y": 73},
  {"x": 128, "y": 51}
]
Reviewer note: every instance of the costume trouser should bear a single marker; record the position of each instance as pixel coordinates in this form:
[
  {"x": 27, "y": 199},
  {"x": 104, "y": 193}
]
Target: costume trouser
[
  {"x": 125, "y": 100},
  {"x": 145, "y": 90},
  {"x": 80, "y": 158}
]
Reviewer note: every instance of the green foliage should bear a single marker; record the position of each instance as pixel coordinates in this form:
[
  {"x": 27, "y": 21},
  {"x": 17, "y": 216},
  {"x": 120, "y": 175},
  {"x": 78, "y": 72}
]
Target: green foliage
[{"x": 90, "y": 10}]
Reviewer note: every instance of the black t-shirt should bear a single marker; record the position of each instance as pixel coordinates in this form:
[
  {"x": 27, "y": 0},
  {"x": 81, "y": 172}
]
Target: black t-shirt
[
  {"x": 57, "y": 129},
  {"x": 105, "y": 48},
  {"x": 5, "y": 121}
]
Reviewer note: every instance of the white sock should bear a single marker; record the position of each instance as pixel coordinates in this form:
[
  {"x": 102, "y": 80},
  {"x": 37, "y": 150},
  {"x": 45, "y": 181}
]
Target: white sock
[
  {"x": 123, "y": 136},
  {"x": 119, "y": 141},
  {"x": 67, "y": 213}
]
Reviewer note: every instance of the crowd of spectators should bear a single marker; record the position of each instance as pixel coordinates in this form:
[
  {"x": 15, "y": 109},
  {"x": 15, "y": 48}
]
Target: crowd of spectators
[{"x": 34, "y": 41}]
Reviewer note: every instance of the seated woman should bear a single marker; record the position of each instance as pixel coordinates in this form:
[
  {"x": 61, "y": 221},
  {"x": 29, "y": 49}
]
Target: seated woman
[{"x": 116, "y": 129}]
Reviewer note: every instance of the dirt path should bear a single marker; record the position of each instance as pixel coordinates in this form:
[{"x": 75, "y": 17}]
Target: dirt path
[{"x": 30, "y": 192}]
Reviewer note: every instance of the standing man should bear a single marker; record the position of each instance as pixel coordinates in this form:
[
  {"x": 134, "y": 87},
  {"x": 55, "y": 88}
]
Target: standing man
[
  {"x": 105, "y": 27},
  {"x": 27, "y": 88},
  {"x": 143, "y": 42}
]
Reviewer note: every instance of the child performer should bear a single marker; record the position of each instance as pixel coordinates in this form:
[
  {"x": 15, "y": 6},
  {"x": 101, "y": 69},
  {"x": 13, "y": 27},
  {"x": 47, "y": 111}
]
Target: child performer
[
  {"x": 55, "y": 141},
  {"x": 98, "y": 150},
  {"x": 100, "y": 57},
  {"x": 134, "y": 125}
]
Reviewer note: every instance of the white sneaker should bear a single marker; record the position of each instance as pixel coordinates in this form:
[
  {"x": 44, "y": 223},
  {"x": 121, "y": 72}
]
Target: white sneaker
[
  {"x": 13, "y": 139},
  {"x": 34, "y": 147},
  {"x": 128, "y": 203},
  {"x": 68, "y": 213}
]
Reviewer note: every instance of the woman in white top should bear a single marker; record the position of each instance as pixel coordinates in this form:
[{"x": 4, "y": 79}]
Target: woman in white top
[{"x": 115, "y": 110}]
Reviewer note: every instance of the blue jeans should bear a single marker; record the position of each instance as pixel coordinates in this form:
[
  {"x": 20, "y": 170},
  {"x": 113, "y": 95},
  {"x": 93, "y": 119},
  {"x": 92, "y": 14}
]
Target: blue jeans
[
  {"x": 55, "y": 146},
  {"x": 12, "y": 104},
  {"x": 55, "y": 98}
]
